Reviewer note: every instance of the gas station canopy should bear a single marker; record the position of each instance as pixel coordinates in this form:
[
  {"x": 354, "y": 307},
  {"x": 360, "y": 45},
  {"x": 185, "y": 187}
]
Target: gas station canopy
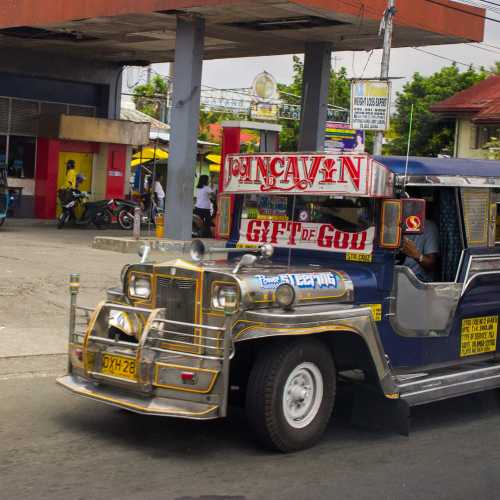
[{"x": 141, "y": 32}]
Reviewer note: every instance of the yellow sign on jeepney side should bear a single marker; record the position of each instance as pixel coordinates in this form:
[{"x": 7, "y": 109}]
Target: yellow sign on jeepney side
[
  {"x": 478, "y": 335},
  {"x": 376, "y": 311},
  {"x": 359, "y": 257}
]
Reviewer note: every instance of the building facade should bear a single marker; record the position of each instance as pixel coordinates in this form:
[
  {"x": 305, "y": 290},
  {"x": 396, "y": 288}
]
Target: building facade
[{"x": 476, "y": 111}]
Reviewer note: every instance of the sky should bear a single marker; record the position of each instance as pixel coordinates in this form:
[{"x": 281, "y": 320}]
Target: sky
[{"x": 239, "y": 73}]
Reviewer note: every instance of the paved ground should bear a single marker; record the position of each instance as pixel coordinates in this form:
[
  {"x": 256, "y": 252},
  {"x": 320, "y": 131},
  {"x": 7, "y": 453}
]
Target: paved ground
[
  {"x": 35, "y": 263},
  {"x": 55, "y": 446}
]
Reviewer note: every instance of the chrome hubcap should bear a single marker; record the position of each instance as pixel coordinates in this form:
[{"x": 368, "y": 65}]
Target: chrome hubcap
[{"x": 302, "y": 395}]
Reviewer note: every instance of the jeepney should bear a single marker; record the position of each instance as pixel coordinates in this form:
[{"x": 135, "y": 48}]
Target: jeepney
[{"x": 313, "y": 292}]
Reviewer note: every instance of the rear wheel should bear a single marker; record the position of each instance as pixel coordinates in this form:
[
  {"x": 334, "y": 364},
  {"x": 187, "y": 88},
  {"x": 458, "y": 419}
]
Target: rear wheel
[
  {"x": 290, "y": 394},
  {"x": 125, "y": 219},
  {"x": 102, "y": 219}
]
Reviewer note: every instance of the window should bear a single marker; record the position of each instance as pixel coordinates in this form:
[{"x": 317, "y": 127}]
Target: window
[
  {"x": 344, "y": 225},
  {"x": 485, "y": 133},
  {"x": 21, "y": 162}
]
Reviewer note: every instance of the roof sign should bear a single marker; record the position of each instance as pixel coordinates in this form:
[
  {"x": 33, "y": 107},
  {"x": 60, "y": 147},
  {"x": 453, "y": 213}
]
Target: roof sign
[{"x": 307, "y": 173}]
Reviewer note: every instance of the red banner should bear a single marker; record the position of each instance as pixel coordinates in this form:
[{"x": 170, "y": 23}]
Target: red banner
[{"x": 312, "y": 236}]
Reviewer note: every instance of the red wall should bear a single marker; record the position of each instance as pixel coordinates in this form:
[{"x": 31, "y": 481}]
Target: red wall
[
  {"x": 115, "y": 172},
  {"x": 47, "y": 167}
]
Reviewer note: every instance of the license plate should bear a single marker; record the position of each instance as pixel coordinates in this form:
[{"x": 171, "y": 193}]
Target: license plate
[{"x": 118, "y": 366}]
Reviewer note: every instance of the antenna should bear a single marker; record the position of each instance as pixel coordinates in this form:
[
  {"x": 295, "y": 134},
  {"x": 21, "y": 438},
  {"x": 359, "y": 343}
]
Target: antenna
[{"x": 408, "y": 147}]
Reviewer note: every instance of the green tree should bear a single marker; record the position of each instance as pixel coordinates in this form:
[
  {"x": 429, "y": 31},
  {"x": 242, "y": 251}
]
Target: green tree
[
  {"x": 339, "y": 95},
  {"x": 152, "y": 96},
  {"x": 431, "y": 133}
]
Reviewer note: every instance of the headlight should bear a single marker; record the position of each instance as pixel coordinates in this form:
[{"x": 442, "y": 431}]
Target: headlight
[
  {"x": 219, "y": 295},
  {"x": 139, "y": 286},
  {"x": 285, "y": 296}
]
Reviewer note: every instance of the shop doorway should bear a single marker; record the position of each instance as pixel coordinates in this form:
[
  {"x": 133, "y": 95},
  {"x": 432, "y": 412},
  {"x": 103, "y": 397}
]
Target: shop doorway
[{"x": 83, "y": 166}]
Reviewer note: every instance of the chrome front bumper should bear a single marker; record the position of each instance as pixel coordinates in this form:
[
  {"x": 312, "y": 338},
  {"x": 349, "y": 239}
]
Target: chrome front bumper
[{"x": 152, "y": 405}]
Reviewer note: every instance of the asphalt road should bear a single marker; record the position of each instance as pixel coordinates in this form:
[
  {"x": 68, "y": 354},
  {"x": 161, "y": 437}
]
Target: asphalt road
[{"x": 54, "y": 446}]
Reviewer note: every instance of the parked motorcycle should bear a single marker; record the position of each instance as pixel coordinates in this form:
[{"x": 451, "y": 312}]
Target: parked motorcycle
[
  {"x": 124, "y": 210},
  {"x": 76, "y": 209}
]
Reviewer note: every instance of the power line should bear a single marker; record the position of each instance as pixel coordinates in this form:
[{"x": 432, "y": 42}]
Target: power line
[
  {"x": 452, "y": 7},
  {"x": 481, "y": 6},
  {"x": 487, "y": 1},
  {"x": 483, "y": 48},
  {"x": 470, "y": 65}
]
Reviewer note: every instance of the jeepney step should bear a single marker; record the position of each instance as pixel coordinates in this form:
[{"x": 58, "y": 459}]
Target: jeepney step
[
  {"x": 444, "y": 384},
  {"x": 152, "y": 405}
]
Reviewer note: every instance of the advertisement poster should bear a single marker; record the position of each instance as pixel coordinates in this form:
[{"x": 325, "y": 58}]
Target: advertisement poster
[
  {"x": 341, "y": 136},
  {"x": 370, "y": 103}
]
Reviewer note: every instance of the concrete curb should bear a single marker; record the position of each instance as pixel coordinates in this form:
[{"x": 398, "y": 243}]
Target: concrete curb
[{"x": 131, "y": 245}]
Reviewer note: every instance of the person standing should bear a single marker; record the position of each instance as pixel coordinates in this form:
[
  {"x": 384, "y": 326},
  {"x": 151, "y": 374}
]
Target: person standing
[
  {"x": 203, "y": 204},
  {"x": 70, "y": 175},
  {"x": 160, "y": 194}
]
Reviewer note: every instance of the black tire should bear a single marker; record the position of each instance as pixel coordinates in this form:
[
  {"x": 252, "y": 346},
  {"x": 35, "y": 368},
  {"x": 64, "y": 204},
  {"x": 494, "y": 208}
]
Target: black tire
[
  {"x": 265, "y": 403},
  {"x": 62, "y": 220},
  {"x": 102, "y": 219},
  {"x": 125, "y": 219}
]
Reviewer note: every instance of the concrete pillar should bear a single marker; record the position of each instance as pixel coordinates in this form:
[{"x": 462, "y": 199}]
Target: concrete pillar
[
  {"x": 184, "y": 127},
  {"x": 317, "y": 65}
]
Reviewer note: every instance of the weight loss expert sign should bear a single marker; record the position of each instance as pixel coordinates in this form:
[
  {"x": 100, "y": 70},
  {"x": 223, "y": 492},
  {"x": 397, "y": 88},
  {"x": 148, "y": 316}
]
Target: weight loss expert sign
[{"x": 370, "y": 101}]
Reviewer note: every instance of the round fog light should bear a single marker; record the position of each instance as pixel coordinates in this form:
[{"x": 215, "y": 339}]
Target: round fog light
[{"x": 285, "y": 296}]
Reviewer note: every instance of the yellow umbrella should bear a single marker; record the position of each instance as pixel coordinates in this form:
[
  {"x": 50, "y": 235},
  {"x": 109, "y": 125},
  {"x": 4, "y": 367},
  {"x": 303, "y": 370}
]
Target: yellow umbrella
[
  {"x": 217, "y": 159},
  {"x": 151, "y": 154},
  {"x": 213, "y": 167},
  {"x": 138, "y": 161}
]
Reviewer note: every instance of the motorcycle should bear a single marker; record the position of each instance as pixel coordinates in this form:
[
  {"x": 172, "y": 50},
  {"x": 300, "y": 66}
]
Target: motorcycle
[
  {"x": 76, "y": 209},
  {"x": 123, "y": 211}
]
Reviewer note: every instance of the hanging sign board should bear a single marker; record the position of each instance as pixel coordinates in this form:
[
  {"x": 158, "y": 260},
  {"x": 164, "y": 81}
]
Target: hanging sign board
[
  {"x": 306, "y": 235},
  {"x": 340, "y": 136},
  {"x": 306, "y": 173},
  {"x": 370, "y": 104}
]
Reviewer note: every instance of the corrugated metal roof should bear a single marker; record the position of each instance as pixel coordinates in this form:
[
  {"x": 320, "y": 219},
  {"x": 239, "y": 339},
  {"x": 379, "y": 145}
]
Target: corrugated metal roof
[
  {"x": 441, "y": 166},
  {"x": 473, "y": 99}
]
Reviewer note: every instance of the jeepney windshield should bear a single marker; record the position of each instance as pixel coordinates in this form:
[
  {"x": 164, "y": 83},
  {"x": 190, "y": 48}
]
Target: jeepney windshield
[{"x": 324, "y": 222}]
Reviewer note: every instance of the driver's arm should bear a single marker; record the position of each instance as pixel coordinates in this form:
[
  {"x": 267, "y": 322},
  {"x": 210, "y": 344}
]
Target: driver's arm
[{"x": 427, "y": 261}]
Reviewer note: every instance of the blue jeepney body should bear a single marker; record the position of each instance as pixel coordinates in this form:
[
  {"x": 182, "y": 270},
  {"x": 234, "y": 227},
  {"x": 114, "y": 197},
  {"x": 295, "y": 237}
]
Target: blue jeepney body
[{"x": 472, "y": 281}]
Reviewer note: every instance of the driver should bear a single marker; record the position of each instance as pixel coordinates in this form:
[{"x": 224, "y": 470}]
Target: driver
[{"x": 421, "y": 251}]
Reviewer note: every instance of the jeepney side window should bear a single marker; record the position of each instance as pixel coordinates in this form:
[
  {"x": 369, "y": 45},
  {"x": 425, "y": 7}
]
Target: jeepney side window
[
  {"x": 479, "y": 212},
  {"x": 495, "y": 199}
]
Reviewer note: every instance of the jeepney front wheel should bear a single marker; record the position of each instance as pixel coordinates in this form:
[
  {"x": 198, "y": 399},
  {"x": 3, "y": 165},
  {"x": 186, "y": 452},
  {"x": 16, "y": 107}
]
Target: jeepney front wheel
[{"x": 291, "y": 393}]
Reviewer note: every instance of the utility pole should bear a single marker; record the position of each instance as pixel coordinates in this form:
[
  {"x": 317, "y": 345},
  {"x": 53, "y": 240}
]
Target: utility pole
[{"x": 387, "y": 26}]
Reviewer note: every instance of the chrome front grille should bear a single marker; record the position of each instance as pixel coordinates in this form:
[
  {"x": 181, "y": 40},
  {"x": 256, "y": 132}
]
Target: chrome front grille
[{"x": 178, "y": 296}]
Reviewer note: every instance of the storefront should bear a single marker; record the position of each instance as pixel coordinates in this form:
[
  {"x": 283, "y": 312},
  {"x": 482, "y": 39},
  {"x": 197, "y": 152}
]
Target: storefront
[{"x": 100, "y": 150}]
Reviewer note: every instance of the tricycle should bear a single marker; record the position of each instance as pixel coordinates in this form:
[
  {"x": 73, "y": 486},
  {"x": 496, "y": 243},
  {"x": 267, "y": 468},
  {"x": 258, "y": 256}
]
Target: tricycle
[{"x": 377, "y": 272}]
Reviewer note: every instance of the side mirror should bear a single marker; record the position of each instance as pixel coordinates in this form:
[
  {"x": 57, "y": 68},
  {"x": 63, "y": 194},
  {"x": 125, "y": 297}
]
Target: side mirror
[
  {"x": 390, "y": 224},
  {"x": 413, "y": 215}
]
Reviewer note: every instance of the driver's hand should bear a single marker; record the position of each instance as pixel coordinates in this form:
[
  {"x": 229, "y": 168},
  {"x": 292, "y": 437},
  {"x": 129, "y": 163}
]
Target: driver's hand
[{"x": 410, "y": 249}]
